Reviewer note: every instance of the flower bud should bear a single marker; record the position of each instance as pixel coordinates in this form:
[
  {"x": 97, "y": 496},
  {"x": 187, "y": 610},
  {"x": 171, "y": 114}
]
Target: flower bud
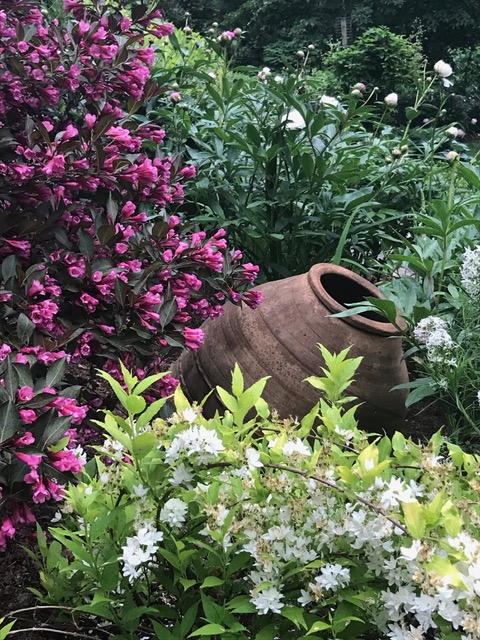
[
  {"x": 300, "y": 54},
  {"x": 238, "y": 31},
  {"x": 187, "y": 30},
  {"x": 404, "y": 148},
  {"x": 175, "y": 86},
  {"x": 396, "y": 152},
  {"x": 391, "y": 100},
  {"x": 356, "y": 92},
  {"x": 311, "y": 47},
  {"x": 451, "y": 156},
  {"x": 215, "y": 24}
]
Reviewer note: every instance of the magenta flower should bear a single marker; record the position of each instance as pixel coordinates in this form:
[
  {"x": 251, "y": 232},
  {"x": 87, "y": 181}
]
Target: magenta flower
[
  {"x": 24, "y": 394},
  {"x": 24, "y": 440},
  {"x": 40, "y": 493},
  {"x": 27, "y": 416},
  {"x": 194, "y": 338},
  {"x": 31, "y": 459}
]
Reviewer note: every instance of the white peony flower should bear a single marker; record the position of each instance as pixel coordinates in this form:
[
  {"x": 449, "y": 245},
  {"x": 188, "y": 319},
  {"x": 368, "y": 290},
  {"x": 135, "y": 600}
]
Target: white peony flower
[
  {"x": 444, "y": 70},
  {"x": 329, "y": 100},
  {"x": 294, "y": 120},
  {"x": 391, "y": 100}
]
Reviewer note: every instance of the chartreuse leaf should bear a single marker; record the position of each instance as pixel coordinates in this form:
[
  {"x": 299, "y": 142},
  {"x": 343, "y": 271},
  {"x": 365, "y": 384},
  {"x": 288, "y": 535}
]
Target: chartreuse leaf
[
  {"x": 414, "y": 519},
  {"x": 111, "y": 427},
  {"x": 180, "y": 400},
  {"x": 130, "y": 380},
  {"x": 135, "y": 405},
  {"x": 237, "y": 381},
  {"x": 229, "y": 401},
  {"x": 117, "y": 389},
  {"x": 5, "y": 628},
  {"x": 143, "y": 444},
  {"x": 451, "y": 519},
  {"x": 150, "y": 413},
  {"x": 445, "y": 569},
  {"x": 147, "y": 382}
]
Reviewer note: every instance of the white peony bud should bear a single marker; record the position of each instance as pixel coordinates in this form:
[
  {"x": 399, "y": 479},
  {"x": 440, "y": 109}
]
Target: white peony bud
[
  {"x": 453, "y": 132},
  {"x": 391, "y": 100}
]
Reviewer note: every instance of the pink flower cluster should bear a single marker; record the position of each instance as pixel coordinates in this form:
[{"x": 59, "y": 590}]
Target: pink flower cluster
[{"x": 87, "y": 274}]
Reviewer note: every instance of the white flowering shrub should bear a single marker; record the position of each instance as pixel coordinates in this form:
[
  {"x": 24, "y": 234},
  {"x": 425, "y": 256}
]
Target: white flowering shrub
[{"x": 247, "y": 527}]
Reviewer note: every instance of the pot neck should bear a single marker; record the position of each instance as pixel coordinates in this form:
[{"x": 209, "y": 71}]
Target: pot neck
[{"x": 336, "y": 287}]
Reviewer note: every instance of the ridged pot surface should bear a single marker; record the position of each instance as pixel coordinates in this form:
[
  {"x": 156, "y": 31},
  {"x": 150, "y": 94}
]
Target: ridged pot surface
[{"x": 279, "y": 339}]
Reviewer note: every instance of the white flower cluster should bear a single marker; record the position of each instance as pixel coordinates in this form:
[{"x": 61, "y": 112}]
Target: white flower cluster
[
  {"x": 140, "y": 550},
  {"x": 470, "y": 271},
  {"x": 174, "y": 513},
  {"x": 198, "y": 444},
  {"x": 433, "y": 334}
]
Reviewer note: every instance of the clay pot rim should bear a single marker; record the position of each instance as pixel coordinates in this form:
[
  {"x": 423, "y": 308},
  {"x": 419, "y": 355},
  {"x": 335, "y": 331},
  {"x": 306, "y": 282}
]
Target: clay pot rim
[{"x": 381, "y": 328}]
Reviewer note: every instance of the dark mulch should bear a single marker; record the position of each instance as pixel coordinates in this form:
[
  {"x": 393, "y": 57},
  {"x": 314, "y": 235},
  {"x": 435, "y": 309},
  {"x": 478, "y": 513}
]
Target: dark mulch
[{"x": 18, "y": 571}]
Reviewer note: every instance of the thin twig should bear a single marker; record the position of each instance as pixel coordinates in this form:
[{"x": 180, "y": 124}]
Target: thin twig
[
  {"x": 334, "y": 485},
  {"x": 43, "y": 629},
  {"x": 10, "y": 614}
]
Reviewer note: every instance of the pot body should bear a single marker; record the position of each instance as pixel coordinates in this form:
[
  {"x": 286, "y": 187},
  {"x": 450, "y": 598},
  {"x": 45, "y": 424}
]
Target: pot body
[{"x": 279, "y": 339}]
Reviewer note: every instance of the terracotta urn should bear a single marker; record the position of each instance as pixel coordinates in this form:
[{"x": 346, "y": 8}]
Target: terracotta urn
[{"x": 279, "y": 339}]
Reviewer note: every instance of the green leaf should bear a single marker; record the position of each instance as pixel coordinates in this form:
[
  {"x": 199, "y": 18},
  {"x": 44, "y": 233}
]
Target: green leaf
[
  {"x": 9, "y": 420},
  {"x": 228, "y": 400},
  {"x": 414, "y": 519},
  {"x": 237, "y": 381},
  {"x": 54, "y": 431},
  {"x": 25, "y": 328},
  {"x": 411, "y": 113},
  {"x": 143, "y": 444},
  {"x": 211, "y": 581},
  {"x": 211, "y": 629},
  {"x": 147, "y": 382},
  {"x": 318, "y": 626},
  {"x": 5, "y": 628},
  {"x": 56, "y": 372},
  {"x": 135, "y": 404},
  {"x": 150, "y": 413}
]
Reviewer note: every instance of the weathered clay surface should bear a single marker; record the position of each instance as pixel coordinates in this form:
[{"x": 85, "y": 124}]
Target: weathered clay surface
[{"x": 279, "y": 340}]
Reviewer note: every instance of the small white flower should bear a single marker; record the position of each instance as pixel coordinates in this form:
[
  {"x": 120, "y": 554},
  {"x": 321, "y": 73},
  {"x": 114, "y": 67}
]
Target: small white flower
[
  {"x": 470, "y": 271},
  {"x": 278, "y": 79},
  {"x": 174, "y": 512},
  {"x": 181, "y": 475},
  {"x": 295, "y": 447},
  {"x": 305, "y": 598},
  {"x": 391, "y": 100},
  {"x": 268, "y": 599},
  {"x": 333, "y": 576},
  {"x": 139, "y": 490},
  {"x": 253, "y": 459},
  {"x": 190, "y": 415},
  {"x": 57, "y": 517},
  {"x": 294, "y": 120},
  {"x": 411, "y": 553}
]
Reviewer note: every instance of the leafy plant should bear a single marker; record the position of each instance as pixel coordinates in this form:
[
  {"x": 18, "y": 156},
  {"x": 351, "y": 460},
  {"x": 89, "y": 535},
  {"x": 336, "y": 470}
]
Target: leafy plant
[
  {"x": 92, "y": 266},
  {"x": 263, "y": 528}
]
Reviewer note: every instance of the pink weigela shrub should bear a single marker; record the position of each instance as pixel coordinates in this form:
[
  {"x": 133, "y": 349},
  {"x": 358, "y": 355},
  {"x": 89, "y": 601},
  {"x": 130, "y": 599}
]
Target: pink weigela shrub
[{"x": 93, "y": 269}]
